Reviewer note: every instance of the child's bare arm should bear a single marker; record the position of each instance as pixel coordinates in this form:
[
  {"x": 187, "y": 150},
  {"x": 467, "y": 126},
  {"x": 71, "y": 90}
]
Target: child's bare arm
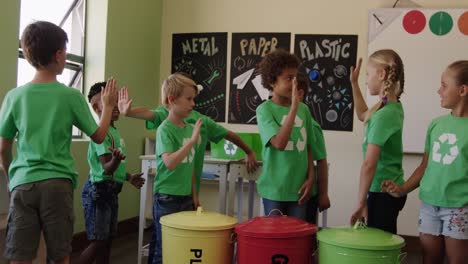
[
  {"x": 322, "y": 182},
  {"x": 196, "y": 201},
  {"x": 109, "y": 96},
  {"x": 251, "y": 158},
  {"x": 110, "y": 162},
  {"x": 309, "y": 182},
  {"x": 125, "y": 107},
  {"x": 280, "y": 140},
  {"x": 359, "y": 103},
  {"x": 5, "y": 155},
  {"x": 173, "y": 159},
  {"x": 411, "y": 184}
]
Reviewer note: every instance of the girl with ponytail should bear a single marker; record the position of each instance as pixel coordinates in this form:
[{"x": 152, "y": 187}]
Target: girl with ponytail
[{"x": 382, "y": 146}]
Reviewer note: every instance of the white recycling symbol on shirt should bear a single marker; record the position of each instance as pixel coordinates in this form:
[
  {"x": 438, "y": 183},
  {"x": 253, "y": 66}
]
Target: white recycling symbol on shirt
[
  {"x": 445, "y": 158},
  {"x": 300, "y": 144},
  {"x": 229, "y": 148},
  {"x": 191, "y": 154}
]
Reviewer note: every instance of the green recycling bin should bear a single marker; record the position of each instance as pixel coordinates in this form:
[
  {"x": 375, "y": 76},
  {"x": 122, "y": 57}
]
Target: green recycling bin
[{"x": 359, "y": 245}]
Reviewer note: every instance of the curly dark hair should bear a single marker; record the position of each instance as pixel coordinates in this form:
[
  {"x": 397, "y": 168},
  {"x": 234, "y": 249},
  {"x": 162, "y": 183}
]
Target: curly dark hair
[
  {"x": 40, "y": 41},
  {"x": 273, "y": 64},
  {"x": 95, "y": 89}
]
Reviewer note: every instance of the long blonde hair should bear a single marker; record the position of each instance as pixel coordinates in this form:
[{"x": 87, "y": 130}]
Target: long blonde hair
[
  {"x": 174, "y": 86},
  {"x": 391, "y": 63}
]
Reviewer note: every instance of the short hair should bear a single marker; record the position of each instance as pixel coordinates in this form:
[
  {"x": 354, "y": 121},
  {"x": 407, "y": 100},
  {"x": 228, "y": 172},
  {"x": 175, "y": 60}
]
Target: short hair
[
  {"x": 174, "y": 86},
  {"x": 40, "y": 41},
  {"x": 95, "y": 89},
  {"x": 273, "y": 64}
]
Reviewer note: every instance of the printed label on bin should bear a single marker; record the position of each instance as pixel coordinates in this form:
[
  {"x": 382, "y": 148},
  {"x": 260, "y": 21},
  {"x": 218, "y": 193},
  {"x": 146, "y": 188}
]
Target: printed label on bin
[{"x": 279, "y": 259}]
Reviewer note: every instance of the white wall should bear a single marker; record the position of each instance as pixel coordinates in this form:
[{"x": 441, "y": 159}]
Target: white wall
[{"x": 307, "y": 17}]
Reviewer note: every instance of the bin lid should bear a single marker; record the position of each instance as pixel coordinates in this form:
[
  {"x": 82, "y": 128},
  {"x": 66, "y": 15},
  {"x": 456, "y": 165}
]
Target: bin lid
[
  {"x": 198, "y": 220},
  {"x": 361, "y": 237},
  {"x": 275, "y": 227}
]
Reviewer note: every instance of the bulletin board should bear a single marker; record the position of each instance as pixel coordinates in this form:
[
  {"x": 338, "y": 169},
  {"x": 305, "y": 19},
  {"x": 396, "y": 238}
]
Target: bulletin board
[
  {"x": 326, "y": 60},
  {"x": 246, "y": 89},
  {"x": 427, "y": 40},
  {"x": 203, "y": 57}
]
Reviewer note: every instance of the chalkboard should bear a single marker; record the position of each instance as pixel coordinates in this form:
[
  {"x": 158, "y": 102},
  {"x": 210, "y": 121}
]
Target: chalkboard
[
  {"x": 326, "y": 60},
  {"x": 203, "y": 57},
  {"x": 427, "y": 41},
  {"x": 246, "y": 90}
]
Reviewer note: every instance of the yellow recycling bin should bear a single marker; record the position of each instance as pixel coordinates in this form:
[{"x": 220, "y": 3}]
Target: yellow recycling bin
[{"x": 197, "y": 237}]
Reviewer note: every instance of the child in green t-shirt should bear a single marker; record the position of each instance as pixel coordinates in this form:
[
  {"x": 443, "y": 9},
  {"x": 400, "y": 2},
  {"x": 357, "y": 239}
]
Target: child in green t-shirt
[
  {"x": 285, "y": 127},
  {"x": 442, "y": 176},
  {"x": 382, "y": 146},
  {"x": 176, "y": 143},
  {"x": 209, "y": 132},
  {"x": 41, "y": 115},
  {"x": 100, "y": 193},
  {"x": 319, "y": 199}
]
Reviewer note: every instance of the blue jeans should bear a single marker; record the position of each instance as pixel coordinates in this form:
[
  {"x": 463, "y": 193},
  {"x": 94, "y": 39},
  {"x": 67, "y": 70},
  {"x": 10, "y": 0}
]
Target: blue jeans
[
  {"x": 164, "y": 204},
  {"x": 286, "y": 208},
  {"x": 101, "y": 206}
]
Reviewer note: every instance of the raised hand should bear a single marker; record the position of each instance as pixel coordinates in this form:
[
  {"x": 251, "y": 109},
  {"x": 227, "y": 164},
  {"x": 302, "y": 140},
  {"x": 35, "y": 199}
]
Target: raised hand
[
  {"x": 196, "y": 131},
  {"x": 354, "y": 76},
  {"x": 109, "y": 94},
  {"x": 125, "y": 104}
]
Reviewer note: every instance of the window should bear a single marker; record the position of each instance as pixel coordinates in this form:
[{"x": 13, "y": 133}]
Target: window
[{"x": 68, "y": 14}]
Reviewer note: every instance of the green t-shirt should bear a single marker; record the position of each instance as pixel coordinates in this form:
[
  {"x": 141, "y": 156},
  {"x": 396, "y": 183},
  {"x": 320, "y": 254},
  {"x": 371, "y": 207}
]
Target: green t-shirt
[
  {"x": 385, "y": 129},
  {"x": 210, "y": 131},
  {"x": 170, "y": 138},
  {"x": 41, "y": 116},
  {"x": 445, "y": 181},
  {"x": 318, "y": 151},
  {"x": 285, "y": 171},
  {"x": 97, "y": 173}
]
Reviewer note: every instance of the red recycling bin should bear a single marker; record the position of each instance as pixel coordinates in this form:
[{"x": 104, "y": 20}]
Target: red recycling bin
[{"x": 275, "y": 240}]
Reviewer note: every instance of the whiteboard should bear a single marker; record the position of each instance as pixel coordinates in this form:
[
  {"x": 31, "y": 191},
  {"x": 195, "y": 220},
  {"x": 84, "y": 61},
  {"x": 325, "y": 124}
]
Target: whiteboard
[{"x": 427, "y": 40}]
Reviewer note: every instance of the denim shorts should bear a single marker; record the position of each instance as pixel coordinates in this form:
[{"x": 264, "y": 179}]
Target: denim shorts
[
  {"x": 44, "y": 205},
  {"x": 449, "y": 222},
  {"x": 101, "y": 205}
]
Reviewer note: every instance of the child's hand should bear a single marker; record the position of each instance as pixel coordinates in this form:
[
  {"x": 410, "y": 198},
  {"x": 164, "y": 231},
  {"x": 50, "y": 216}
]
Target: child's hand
[
  {"x": 125, "y": 104},
  {"x": 392, "y": 188},
  {"x": 297, "y": 95},
  {"x": 136, "y": 180},
  {"x": 304, "y": 190},
  {"x": 196, "y": 131},
  {"x": 323, "y": 202},
  {"x": 117, "y": 154},
  {"x": 354, "y": 76},
  {"x": 109, "y": 94},
  {"x": 251, "y": 162},
  {"x": 360, "y": 214}
]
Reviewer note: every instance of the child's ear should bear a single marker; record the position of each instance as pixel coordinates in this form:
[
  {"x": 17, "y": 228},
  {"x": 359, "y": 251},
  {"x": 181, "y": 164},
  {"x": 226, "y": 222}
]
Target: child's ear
[
  {"x": 464, "y": 90},
  {"x": 382, "y": 74},
  {"x": 170, "y": 99}
]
